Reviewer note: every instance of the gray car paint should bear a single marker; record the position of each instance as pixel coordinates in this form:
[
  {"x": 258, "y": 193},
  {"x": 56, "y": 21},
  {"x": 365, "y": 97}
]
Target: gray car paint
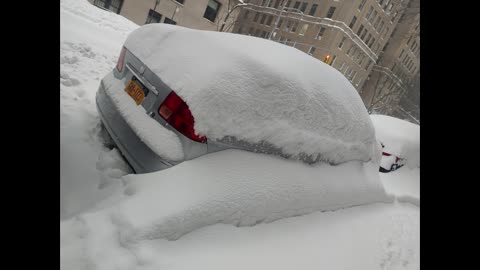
[{"x": 139, "y": 155}]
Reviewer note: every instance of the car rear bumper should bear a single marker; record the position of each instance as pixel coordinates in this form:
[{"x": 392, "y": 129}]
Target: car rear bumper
[{"x": 137, "y": 153}]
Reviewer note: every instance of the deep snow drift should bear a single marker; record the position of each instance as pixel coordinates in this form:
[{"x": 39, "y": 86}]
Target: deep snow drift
[
  {"x": 90, "y": 41},
  {"x": 373, "y": 237},
  {"x": 302, "y": 104},
  {"x": 240, "y": 188}
]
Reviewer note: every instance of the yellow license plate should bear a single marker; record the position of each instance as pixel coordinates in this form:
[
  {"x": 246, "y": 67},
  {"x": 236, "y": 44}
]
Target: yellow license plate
[{"x": 135, "y": 90}]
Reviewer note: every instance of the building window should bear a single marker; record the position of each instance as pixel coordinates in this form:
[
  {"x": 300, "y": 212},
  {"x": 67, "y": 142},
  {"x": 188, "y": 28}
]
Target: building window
[
  {"x": 362, "y": 3},
  {"x": 212, "y": 10},
  {"x": 360, "y": 30},
  {"x": 352, "y": 23},
  {"x": 350, "y": 50},
  {"x": 381, "y": 2},
  {"x": 255, "y": 19},
  {"x": 245, "y": 15},
  {"x": 401, "y": 54},
  {"x": 341, "y": 67},
  {"x": 354, "y": 52},
  {"x": 359, "y": 81},
  {"x": 369, "y": 13},
  {"x": 169, "y": 21},
  {"x": 263, "y": 3},
  {"x": 304, "y": 6},
  {"x": 113, "y": 5},
  {"x": 264, "y": 34},
  {"x": 364, "y": 33},
  {"x": 264, "y": 16},
  {"x": 153, "y": 17},
  {"x": 257, "y": 33},
  {"x": 250, "y": 31},
  {"x": 353, "y": 77},
  {"x": 294, "y": 27},
  {"x": 297, "y": 5},
  {"x": 330, "y": 12},
  {"x": 414, "y": 46},
  {"x": 289, "y": 2},
  {"x": 240, "y": 29},
  {"x": 333, "y": 60},
  {"x": 180, "y": 1},
  {"x": 303, "y": 30},
  {"x": 376, "y": 23},
  {"x": 410, "y": 39},
  {"x": 372, "y": 18},
  {"x": 313, "y": 9},
  {"x": 269, "y": 20},
  {"x": 361, "y": 60},
  {"x": 371, "y": 43},
  {"x": 270, "y": 3},
  {"x": 311, "y": 51},
  {"x": 368, "y": 38},
  {"x": 386, "y": 4},
  {"x": 287, "y": 27},
  {"x": 389, "y": 8},
  {"x": 351, "y": 73},
  {"x": 340, "y": 45},
  {"x": 280, "y": 23},
  {"x": 320, "y": 33},
  {"x": 386, "y": 31},
  {"x": 369, "y": 64},
  {"x": 394, "y": 16},
  {"x": 382, "y": 24},
  {"x": 277, "y": 3}
]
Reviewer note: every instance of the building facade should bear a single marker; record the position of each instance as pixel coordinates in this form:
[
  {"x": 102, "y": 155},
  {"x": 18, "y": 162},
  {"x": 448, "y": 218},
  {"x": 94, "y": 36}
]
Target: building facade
[
  {"x": 398, "y": 67},
  {"x": 197, "y": 14},
  {"x": 348, "y": 34}
]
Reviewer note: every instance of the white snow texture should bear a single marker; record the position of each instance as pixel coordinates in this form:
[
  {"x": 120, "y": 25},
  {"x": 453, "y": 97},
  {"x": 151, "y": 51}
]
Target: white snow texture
[
  {"x": 162, "y": 141},
  {"x": 240, "y": 188},
  {"x": 258, "y": 90}
]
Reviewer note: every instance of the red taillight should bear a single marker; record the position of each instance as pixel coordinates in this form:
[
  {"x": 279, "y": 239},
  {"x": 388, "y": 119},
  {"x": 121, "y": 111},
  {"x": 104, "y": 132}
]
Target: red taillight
[
  {"x": 176, "y": 112},
  {"x": 120, "y": 59}
]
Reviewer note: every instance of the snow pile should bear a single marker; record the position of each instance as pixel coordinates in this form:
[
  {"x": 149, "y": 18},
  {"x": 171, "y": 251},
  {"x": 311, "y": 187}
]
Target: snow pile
[
  {"x": 404, "y": 184},
  {"x": 105, "y": 20},
  {"x": 162, "y": 141},
  {"x": 233, "y": 187},
  {"x": 90, "y": 41},
  {"x": 378, "y": 236},
  {"x": 401, "y": 138},
  {"x": 258, "y": 90},
  {"x": 240, "y": 188}
]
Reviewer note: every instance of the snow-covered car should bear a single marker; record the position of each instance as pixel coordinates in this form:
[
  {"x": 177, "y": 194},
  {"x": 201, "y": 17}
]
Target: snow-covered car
[
  {"x": 400, "y": 142},
  {"x": 390, "y": 162},
  {"x": 170, "y": 99}
]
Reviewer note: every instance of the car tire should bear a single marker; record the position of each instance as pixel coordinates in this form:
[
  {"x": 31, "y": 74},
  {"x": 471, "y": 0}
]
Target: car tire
[{"x": 105, "y": 137}]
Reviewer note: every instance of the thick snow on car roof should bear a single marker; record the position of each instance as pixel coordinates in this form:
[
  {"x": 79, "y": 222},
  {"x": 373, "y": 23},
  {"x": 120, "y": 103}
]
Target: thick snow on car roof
[
  {"x": 259, "y": 91},
  {"x": 400, "y": 137}
]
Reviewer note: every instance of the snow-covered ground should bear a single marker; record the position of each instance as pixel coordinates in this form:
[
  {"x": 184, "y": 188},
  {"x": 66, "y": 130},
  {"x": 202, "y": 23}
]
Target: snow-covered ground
[{"x": 113, "y": 221}]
